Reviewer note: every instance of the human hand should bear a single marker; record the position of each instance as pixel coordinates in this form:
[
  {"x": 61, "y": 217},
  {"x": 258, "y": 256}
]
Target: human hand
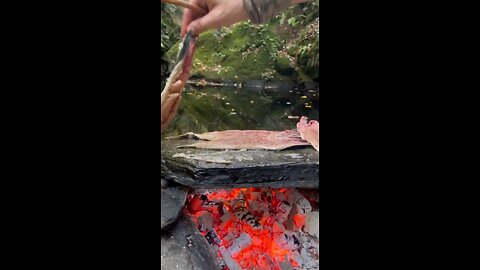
[
  {"x": 169, "y": 105},
  {"x": 218, "y": 13}
]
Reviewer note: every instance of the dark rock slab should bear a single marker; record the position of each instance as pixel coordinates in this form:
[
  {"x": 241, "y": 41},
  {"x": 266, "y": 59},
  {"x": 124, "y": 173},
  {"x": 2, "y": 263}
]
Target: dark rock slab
[
  {"x": 183, "y": 247},
  {"x": 172, "y": 202},
  {"x": 163, "y": 183},
  {"x": 202, "y": 168}
]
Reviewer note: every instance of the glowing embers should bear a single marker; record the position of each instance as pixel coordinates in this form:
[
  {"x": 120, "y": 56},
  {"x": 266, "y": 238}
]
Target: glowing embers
[{"x": 256, "y": 228}]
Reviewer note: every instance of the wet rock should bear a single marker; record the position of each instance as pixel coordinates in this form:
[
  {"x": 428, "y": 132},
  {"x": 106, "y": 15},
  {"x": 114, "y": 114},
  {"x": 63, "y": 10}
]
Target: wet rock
[
  {"x": 163, "y": 183},
  {"x": 203, "y": 168},
  {"x": 283, "y": 65},
  {"x": 172, "y": 202},
  {"x": 183, "y": 247}
]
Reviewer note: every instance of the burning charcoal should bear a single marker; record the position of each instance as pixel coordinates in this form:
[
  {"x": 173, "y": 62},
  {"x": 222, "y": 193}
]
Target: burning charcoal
[
  {"x": 216, "y": 208},
  {"x": 283, "y": 210},
  {"x": 204, "y": 221},
  {"x": 257, "y": 242},
  {"x": 213, "y": 238},
  {"x": 286, "y": 264},
  {"x": 248, "y": 229},
  {"x": 266, "y": 262},
  {"x": 308, "y": 261},
  {"x": 277, "y": 227},
  {"x": 241, "y": 243},
  {"x": 284, "y": 207},
  {"x": 298, "y": 201},
  {"x": 242, "y": 213},
  {"x": 297, "y": 258},
  {"x": 287, "y": 241},
  {"x": 312, "y": 195},
  {"x": 249, "y": 253},
  {"x": 229, "y": 261},
  {"x": 257, "y": 207},
  {"x": 315, "y": 245},
  {"x": 195, "y": 204},
  {"x": 255, "y": 195},
  {"x": 301, "y": 207},
  {"x": 232, "y": 234},
  {"x": 225, "y": 220},
  {"x": 311, "y": 224},
  {"x": 290, "y": 222},
  {"x": 268, "y": 220},
  {"x": 280, "y": 196}
]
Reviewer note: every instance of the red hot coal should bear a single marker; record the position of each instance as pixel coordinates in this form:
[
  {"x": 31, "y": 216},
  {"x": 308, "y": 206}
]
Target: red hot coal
[{"x": 258, "y": 228}]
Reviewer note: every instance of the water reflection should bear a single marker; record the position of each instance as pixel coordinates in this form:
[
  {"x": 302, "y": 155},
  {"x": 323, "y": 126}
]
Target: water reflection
[{"x": 206, "y": 109}]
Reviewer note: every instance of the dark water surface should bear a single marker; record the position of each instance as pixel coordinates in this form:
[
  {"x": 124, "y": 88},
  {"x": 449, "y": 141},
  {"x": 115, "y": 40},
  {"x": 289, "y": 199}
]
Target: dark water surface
[{"x": 205, "y": 109}]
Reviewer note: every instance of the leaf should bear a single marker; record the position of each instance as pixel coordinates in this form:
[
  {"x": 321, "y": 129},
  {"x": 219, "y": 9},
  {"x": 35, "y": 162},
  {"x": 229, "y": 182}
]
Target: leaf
[
  {"x": 291, "y": 21},
  {"x": 282, "y": 19}
]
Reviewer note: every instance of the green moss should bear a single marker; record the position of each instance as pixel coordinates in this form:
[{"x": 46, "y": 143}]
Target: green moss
[
  {"x": 236, "y": 53},
  {"x": 246, "y": 52},
  {"x": 283, "y": 65}
]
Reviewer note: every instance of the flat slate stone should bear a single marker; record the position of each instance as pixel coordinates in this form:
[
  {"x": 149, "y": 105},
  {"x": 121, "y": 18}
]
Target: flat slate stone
[
  {"x": 203, "y": 168},
  {"x": 184, "y": 248},
  {"x": 163, "y": 183},
  {"x": 172, "y": 202}
]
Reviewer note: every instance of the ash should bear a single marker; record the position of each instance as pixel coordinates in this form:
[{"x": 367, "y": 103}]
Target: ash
[{"x": 258, "y": 229}]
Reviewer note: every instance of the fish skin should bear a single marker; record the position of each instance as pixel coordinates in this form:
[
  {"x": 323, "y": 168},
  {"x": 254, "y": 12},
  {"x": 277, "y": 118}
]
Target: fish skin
[{"x": 309, "y": 131}]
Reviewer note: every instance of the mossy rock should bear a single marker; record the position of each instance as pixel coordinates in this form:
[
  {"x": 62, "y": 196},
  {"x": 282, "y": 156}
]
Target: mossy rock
[
  {"x": 240, "y": 53},
  {"x": 307, "y": 62},
  {"x": 284, "y": 66}
]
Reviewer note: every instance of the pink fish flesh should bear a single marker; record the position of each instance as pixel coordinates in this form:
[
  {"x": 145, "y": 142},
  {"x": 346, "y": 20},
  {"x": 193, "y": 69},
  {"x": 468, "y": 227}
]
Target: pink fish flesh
[
  {"x": 309, "y": 131},
  {"x": 247, "y": 139}
]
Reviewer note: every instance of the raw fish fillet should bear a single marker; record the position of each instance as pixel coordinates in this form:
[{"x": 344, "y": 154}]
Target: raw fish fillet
[
  {"x": 310, "y": 131},
  {"x": 246, "y": 139}
]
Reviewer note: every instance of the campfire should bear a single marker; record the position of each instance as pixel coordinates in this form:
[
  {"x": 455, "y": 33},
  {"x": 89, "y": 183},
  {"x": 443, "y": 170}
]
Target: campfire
[{"x": 257, "y": 228}]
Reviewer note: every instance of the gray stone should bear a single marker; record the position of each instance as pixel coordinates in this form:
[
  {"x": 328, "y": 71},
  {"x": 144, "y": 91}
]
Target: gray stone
[
  {"x": 184, "y": 248},
  {"x": 163, "y": 183},
  {"x": 172, "y": 202},
  {"x": 204, "y": 168}
]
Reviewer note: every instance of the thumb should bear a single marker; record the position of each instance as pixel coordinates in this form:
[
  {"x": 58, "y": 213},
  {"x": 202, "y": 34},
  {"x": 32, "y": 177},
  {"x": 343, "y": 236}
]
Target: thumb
[{"x": 204, "y": 23}]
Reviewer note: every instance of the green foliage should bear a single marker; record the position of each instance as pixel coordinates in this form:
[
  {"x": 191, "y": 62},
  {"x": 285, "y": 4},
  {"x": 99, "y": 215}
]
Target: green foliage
[
  {"x": 299, "y": 15},
  {"x": 282, "y": 49},
  {"x": 242, "y": 52},
  {"x": 169, "y": 30}
]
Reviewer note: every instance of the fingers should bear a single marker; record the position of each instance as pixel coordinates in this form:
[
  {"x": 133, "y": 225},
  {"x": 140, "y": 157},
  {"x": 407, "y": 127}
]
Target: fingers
[
  {"x": 189, "y": 15},
  {"x": 204, "y": 23},
  {"x": 171, "y": 114},
  {"x": 170, "y": 106},
  {"x": 177, "y": 87},
  {"x": 187, "y": 18}
]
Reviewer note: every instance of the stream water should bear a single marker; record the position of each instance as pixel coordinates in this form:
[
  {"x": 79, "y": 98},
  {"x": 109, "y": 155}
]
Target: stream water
[{"x": 205, "y": 109}]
